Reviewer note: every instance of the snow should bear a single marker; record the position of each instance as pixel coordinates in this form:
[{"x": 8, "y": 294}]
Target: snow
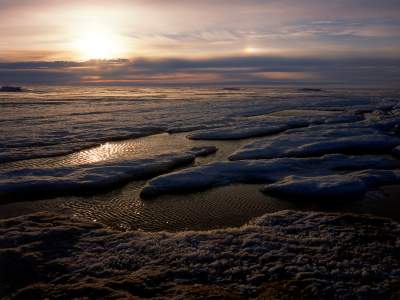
[
  {"x": 236, "y": 133},
  {"x": 262, "y": 171},
  {"x": 332, "y": 187},
  {"x": 53, "y": 121},
  {"x": 92, "y": 178},
  {"x": 319, "y": 141},
  {"x": 286, "y": 254},
  {"x": 292, "y": 134},
  {"x": 273, "y": 125}
]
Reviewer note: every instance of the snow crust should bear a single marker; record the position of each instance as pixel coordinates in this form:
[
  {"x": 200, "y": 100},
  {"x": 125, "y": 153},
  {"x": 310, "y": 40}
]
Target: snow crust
[
  {"x": 262, "y": 128},
  {"x": 57, "y": 121},
  {"x": 332, "y": 187},
  {"x": 286, "y": 255},
  {"x": 270, "y": 171},
  {"x": 319, "y": 141},
  {"x": 288, "y": 124}
]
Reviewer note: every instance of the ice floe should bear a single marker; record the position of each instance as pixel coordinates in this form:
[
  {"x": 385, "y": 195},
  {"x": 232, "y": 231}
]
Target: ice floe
[
  {"x": 262, "y": 171},
  {"x": 347, "y": 186},
  {"x": 262, "y": 128},
  {"x": 319, "y": 141},
  {"x": 235, "y": 133}
]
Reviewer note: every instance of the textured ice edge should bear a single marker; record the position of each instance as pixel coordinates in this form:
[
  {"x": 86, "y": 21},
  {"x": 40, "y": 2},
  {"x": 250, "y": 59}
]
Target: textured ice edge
[
  {"x": 92, "y": 178},
  {"x": 298, "y": 177},
  {"x": 286, "y": 254}
]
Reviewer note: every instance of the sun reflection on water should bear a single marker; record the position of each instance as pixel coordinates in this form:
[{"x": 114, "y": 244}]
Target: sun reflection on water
[{"x": 103, "y": 152}]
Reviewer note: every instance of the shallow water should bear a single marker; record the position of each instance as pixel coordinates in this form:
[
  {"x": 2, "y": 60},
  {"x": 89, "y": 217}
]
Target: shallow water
[
  {"x": 129, "y": 149},
  {"x": 54, "y": 124},
  {"x": 123, "y": 209},
  {"x": 222, "y": 207}
]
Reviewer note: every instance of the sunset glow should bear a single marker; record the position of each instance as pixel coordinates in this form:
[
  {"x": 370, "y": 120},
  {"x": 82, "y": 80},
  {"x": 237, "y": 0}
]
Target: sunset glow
[
  {"x": 199, "y": 39},
  {"x": 96, "y": 44}
]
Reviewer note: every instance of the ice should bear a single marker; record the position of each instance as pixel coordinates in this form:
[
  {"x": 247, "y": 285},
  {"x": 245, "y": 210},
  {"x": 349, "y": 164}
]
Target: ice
[
  {"x": 333, "y": 146},
  {"x": 319, "y": 141},
  {"x": 332, "y": 187},
  {"x": 262, "y": 128},
  {"x": 236, "y": 133},
  {"x": 315, "y": 255},
  {"x": 203, "y": 150},
  {"x": 54, "y": 121},
  {"x": 285, "y": 126},
  {"x": 91, "y": 178},
  {"x": 261, "y": 171},
  {"x": 319, "y": 187}
]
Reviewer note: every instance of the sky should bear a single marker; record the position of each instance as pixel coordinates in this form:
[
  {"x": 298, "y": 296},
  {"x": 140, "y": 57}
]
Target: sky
[{"x": 141, "y": 42}]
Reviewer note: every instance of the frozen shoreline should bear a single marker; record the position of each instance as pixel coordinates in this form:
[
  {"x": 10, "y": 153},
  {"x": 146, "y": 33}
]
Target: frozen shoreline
[
  {"x": 329, "y": 147},
  {"x": 286, "y": 254},
  {"x": 58, "y": 122},
  {"x": 295, "y": 146}
]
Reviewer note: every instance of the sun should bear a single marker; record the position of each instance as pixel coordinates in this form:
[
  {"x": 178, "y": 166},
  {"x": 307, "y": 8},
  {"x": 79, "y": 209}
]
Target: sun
[
  {"x": 251, "y": 50},
  {"x": 97, "y": 44}
]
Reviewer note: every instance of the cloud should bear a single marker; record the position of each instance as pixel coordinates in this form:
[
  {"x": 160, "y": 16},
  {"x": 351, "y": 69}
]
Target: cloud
[
  {"x": 204, "y": 42},
  {"x": 242, "y": 70},
  {"x": 201, "y": 28}
]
